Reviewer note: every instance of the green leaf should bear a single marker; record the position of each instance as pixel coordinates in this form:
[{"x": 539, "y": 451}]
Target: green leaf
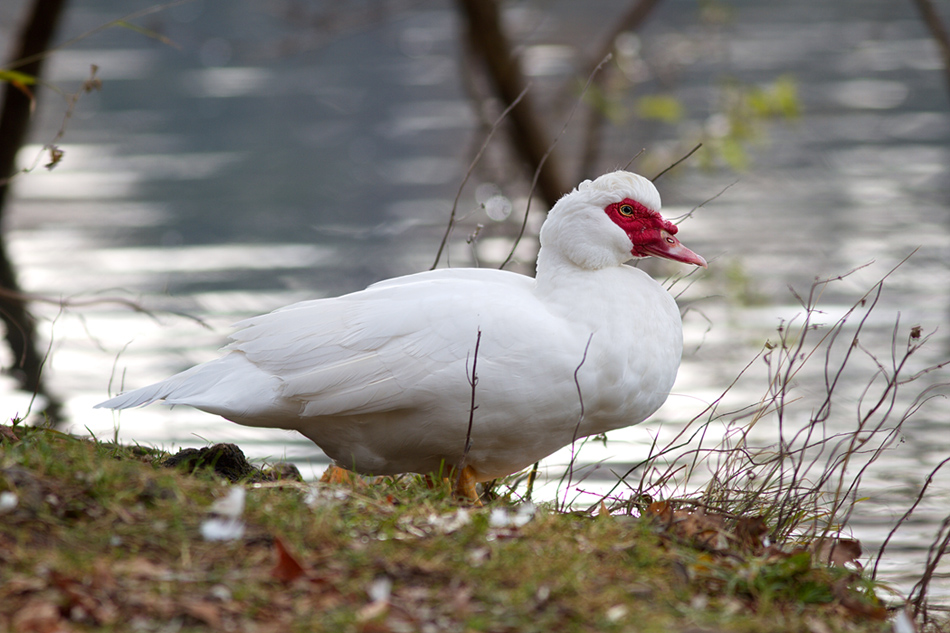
[
  {"x": 13, "y": 76},
  {"x": 734, "y": 154},
  {"x": 147, "y": 33},
  {"x": 785, "y": 97},
  {"x": 664, "y": 108},
  {"x": 778, "y": 100},
  {"x": 608, "y": 106}
]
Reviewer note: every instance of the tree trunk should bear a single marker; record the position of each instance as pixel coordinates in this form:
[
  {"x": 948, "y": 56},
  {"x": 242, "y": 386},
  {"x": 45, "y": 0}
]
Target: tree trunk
[
  {"x": 928, "y": 12},
  {"x": 529, "y": 136},
  {"x": 14, "y": 123}
]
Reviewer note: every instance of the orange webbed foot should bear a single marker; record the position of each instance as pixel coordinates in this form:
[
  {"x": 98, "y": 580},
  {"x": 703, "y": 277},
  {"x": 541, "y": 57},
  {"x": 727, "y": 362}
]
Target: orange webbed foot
[
  {"x": 336, "y": 475},
  {"x": 465, "y": 486}
]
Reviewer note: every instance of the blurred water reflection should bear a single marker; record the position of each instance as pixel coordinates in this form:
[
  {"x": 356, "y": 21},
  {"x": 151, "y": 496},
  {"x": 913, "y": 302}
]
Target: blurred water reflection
[{"x": 264, "y": 163}]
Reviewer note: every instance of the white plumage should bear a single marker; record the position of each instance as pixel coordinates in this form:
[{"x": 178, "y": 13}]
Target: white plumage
[{"x": 379, "y": 379}]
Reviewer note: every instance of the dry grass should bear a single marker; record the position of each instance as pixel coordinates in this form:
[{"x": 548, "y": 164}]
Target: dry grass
[
  {"x": 101, "y": 537},
  {"x": 803, "y": 481}
]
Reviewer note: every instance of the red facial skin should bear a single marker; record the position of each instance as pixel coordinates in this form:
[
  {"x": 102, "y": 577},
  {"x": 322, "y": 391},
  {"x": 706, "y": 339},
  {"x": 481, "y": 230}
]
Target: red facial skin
[{"x": 650, "y": 233}]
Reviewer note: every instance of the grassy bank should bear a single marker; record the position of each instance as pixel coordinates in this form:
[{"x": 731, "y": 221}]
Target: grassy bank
[{"x": 95, "y": 536}]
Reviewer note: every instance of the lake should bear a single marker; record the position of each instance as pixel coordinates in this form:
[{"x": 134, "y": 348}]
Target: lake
[{"x": 283, "y": 151}]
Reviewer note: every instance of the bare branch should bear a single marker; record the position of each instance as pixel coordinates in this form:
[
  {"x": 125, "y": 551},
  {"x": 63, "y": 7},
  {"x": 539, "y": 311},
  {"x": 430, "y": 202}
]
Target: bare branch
[
  {"x": 937, "y": 549},
  {"x": 702, "y": 204},
  {"x": 629, "y": 21},
  {"x": 906, "y": 515},
  {"x": 83, "y": 303},
  {"x": 473, "y": 380},
  {"x": 635, "y": 157},
  {"x": 632, "y": 20},
  {"x": 580, "y": 417},
  {"x": 471, "y": 167},
  {"x": 489, "y": 40},
  {"x": 24, "y": 60},
  {"x": 688, "y": 154},
  {"x": 938, "y": 31},
  {"x": 537, "y": 172}
]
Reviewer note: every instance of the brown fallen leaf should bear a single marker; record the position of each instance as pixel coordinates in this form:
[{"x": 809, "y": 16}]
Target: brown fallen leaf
[
  {"x": 372, "y": 611},
  {"x": 662, "y": 510},
  {"x": 691, "y": 524},
  {"x": 84, "y": 601},
  {"x": 39, "y": 616},
  {"x": 837, "y": 551},
  {"x": 21, "y": 584},
  {"x": 102, "y": 578},
  {"x": 340, "y": 476},
  {"x": 374, "y": 626},
  {"x": 703, "y": 528},
  {"x": 7, "y": 434},
  {"x": 706, "y": 530},
  {"x": 750, "y": 532},
  {"x": 287, "y": 569},
  {"x": 847, "y": 598},
  {"x": 204, "y": 611},
  {"x": 159, "y": 607},
  {"x": 142, "y": 568}
]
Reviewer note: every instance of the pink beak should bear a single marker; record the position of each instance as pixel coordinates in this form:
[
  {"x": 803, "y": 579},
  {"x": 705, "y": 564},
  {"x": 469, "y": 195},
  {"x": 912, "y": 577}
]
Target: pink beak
[{"x": 670, "y": 248}]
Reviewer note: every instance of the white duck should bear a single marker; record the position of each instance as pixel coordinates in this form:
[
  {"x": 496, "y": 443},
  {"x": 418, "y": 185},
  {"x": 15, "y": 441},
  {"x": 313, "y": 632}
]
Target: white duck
[{"x": 380, "y": 379}]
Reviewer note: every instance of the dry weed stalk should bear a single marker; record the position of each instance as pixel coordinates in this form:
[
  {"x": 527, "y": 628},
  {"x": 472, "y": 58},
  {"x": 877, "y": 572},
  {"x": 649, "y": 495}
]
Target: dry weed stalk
[
  {"x": 473, "y": 381},
  {"x": 805, "y": 478}
]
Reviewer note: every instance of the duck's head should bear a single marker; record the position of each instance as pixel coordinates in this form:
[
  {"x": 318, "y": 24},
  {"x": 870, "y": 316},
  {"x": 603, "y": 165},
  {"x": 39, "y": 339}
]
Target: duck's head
[{"x": 607, "y": 221}]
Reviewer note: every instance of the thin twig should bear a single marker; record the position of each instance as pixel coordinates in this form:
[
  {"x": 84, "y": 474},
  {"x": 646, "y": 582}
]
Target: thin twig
[
  {"x": 702, "y": 204},
  {"x": 473, "y": 380},
  {"x": 580, "y": 417},
  {"x": 635, "y": 157},
  {"x": 934, "y": 554},
  {"x": 906, "y": 515},
  {"x": 85, "y": 303},
  {"x": 537, "y": 171},
  {"x": 56, "y": 154},
  {"x": 102, "y": 27},
  {"x": 784, "y": 487},
  {"x": 486, "y": 34},
  {"x": 471, "y": 168},
  {"x": 688, "y": 154},
  {"x": 630, "y": 21}
]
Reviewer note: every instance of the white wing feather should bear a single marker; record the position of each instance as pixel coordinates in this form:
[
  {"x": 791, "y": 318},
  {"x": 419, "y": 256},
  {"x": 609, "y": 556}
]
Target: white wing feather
[{"x": 372, "y": 351}]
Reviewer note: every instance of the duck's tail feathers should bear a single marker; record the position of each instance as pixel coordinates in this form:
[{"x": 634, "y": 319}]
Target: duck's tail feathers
[{"x": 230, "y": 386}]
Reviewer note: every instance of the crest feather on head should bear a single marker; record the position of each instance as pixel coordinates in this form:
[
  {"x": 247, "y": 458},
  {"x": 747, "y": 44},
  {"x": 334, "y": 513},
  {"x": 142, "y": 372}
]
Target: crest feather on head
[{"x": 618, "y": 185}]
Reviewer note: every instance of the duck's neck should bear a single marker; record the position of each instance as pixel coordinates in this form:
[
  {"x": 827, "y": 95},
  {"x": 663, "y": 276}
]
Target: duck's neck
[
  {"x": 550, "y": 263},
  {"x": 556, "y": 274}
]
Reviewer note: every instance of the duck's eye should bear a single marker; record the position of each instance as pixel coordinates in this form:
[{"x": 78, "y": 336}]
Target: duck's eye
[{"x": 626, "y": 210}]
